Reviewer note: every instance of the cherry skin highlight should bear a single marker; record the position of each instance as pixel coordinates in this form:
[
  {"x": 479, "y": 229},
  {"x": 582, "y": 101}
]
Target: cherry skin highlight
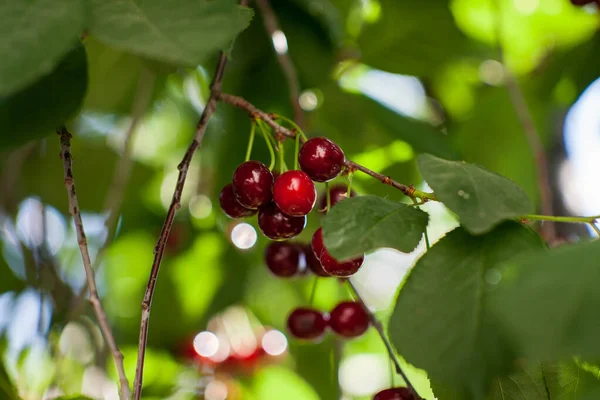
[
  {"x": 230, "y": 206},
  {"x": 275, "y": 225},
  {"x": 317, "y": 243},
  {"x": 294, "y": 193},
  {"x": 337, "y": 193},
  {"x": 282, "y": 258},
  {"x": 349, "y": 319},
  {"x": 321, "y": 159},
  {"x": 253, "y": 184},
  {"x": 340, "y": 269},
  {"x": 398, "y": 393},
  {"x": 307, "y": 323}
]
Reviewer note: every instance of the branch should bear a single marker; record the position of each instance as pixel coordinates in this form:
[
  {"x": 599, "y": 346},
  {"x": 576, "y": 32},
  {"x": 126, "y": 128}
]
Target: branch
[
  {"x": 183, "y": 167},
  {"x": 254, "y": 112},
  {"x": 65, "y": 154},
  {"x": 377, "y": 325},
  {"x": 283, "y": 57}
]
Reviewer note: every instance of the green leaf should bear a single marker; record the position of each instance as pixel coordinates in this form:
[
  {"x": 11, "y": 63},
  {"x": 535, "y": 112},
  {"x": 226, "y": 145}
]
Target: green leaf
[
  {"x": 529, "y": 384},
  {"x": 34, "y": 36},
  {"x": 413, "y": 37},
  {"x": 76, "y": 397},
  {"x": 442, "y": 322},
  {"x": 39, "y": 109},
  {"x": 481, "y": 198},
  {"x": 562, "y": 320},
  {"x": 365, "y": 223},
  {"x": 182, "y": 32}
]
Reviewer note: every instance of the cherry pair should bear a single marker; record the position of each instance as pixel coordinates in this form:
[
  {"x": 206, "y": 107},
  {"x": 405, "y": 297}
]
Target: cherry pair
[
  {"x": 284, "y": 259},
  {"x": 329, "y": 264},
  {"x": 348, "y": 319}
]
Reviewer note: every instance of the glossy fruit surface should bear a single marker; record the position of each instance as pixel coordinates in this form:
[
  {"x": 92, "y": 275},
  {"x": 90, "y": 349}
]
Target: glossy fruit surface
[
  {"x": 275, "y": 225},
  {"x": 317, "y": 243},
  {"x": 283, "y": 258},
  {"x": 321, "y": 159},
  {"x": 337, "y": 193},
  {"x": 340, "y": 269},
  {"x": 312, "y": 262},
  {"x": 253, "y": 184},
  {"x": 294, "y": 193},
  {"x": 398, "y": 393},
  {"x": 230, "y": 206},
  {"x": 307, "y": 323},
  {"x": 349, "y": 319}
]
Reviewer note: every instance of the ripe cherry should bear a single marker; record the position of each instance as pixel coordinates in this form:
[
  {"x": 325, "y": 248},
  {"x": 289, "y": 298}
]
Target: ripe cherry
[
  {"x": 312, "y": 262},
  {"x": 307, "y": 323},
  {"x": 349, "y": 319},
  {"x": 230, "y": 206},
  {"x": 317, "y": 243},
  {"x": 337, "y": 193},
  {"x": 340, "y": 269},
  {"x": 282, "y": 258},
  {"x": 321, "y": 159},
  {"x": 275, "y": 225},
  {"x": 582, "y": 2},
  {"x": 397, "y": 393},
  {"x": 253, "y": 184},
  {"x": 294, "y": 193}
]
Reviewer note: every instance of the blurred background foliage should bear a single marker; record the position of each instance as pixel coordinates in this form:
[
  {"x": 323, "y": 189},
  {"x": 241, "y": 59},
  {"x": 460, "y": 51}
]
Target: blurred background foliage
[{"x": 386, "y": 79}]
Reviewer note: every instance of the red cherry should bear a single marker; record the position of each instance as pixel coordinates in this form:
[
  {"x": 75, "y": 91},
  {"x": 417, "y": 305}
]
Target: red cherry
[
  {"x": 581, "y": 2},
  {"x": 253, "y": 184},
  {"x": 294, "y": 193},
  {"x": 398, "y": 393},
  {"x": 230, "y": 206},
  {"x": 337, "y": 193},
  {"x": 317, "y": 243},
  {"x": 275, "y": 225},
  {"x": 312, "y": 262},
  {"x": 282, "y": 258},
  {"x": 306, "y": 323},
  {"x": 321, "y": 159},
  {"x": 337, "y": 268},
  {"x": 349, "y": 319}
]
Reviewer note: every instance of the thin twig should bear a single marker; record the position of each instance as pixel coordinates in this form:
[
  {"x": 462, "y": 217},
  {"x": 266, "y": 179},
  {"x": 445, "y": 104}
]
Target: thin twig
[
  {"x": 519, "y": 103},
  {"x": 283, "y": 57},
  {"x": 65, "y": 154},
  {"x": 122, "y": 171},
  {"x": 379, "y": 327},
  {"x": 183, "y": 168}
]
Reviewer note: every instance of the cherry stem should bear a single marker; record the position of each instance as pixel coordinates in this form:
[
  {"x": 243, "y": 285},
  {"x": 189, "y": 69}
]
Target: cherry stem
[
  {"x": 281, "y": 158},
  {"x": 328, "y": 196},
  {"x": 293, "y": 124},
  {"x": 268, "y": 141},
  {"x": 251, "y": 140},
  {"x": 297, "y": 151},
  {"x": 313, "y": 290},
  {"x": 350, "y": 174},
  {"x": 379, "y": 327}
]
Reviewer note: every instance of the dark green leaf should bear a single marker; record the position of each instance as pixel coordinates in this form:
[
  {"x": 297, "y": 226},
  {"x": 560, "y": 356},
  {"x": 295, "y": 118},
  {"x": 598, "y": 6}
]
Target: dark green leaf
[
  {"x": 442, "y": 322},
  {"x": 39, "y": 109},
  {"x": 34, "y": 36},
  {"x": 413, "y": 37},
  {"x": 529, "y": 384},
  {"x": 562, "y": 318},
  {"x": 481, "y": 198},
  {"x": 365, "y": 223},
  {"x": 182, "y": 32}
]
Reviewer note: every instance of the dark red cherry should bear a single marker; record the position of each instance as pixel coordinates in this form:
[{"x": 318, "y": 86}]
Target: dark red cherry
[
  {"x": 312, "y": 262},
  {"x": 283, "y": 258},
  {"x": 306, "y": 323},
  {"x": 321, "y": 159},
  {"x": 230, "y": 206},
  {"x": 294, "y": 193},
  {"x": 275, "y": 225},
  {"x": 340, "y": 269},
  {"x": 349, "y": 319},
  {"x": 253, "y": 184},
  {"x": 581, "y": 2},
  {"x": 337, "y": 193},
  {"x": 398, "y": 393},
  {"x": 317, "y": 243}
]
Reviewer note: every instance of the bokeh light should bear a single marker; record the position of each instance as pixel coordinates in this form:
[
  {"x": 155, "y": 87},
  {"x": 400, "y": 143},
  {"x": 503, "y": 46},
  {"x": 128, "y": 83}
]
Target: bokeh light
[
  {"x": 206, "y": 344},
  {"x": 243, "y": 236},
  {"x": 274, "y": 342},
  {"x": 364, "y": 374},
  {"x": 279, "y": 42}
]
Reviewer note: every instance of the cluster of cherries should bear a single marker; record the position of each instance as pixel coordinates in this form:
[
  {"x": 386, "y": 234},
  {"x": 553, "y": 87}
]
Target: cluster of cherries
[{"x": 282, "y": 203}]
